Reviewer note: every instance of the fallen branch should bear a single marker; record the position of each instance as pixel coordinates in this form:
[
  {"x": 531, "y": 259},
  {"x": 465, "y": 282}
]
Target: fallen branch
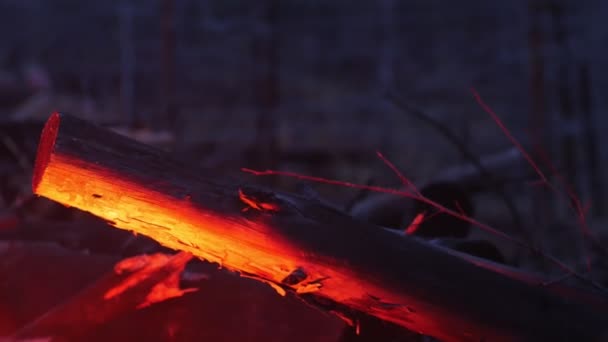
[{"x": 298, "y": 244}]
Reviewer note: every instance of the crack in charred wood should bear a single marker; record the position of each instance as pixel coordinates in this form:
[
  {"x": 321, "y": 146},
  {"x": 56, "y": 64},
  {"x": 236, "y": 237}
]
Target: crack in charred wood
[
  {"x": 266, "y": 201},
  {"x": 295, "y": 277},
  {"x": 311, "y": 286}
]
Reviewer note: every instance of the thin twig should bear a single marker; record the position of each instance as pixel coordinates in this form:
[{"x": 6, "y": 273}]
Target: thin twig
[
  {"x": 575, "y": 203},
  {"x": 508, "y": 134},
  {"x": 406, "y": 182},
  {"x": 438, "y": 206},
  {"x": 467, "y": 154}
]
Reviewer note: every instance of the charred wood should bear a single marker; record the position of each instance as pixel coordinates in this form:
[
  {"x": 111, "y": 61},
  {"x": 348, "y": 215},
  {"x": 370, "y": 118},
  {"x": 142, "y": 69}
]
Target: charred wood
[{"x": 298, "y": 245}]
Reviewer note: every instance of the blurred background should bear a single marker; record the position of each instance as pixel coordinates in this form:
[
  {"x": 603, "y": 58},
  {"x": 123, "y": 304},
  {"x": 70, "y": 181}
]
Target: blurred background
[
  {"x": 302, "y": 85},
  {"x": 317, "y": 87}
]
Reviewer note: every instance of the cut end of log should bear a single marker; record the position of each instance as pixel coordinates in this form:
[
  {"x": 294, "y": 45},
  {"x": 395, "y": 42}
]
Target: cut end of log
[
  {"x": 72, "y": 171},
  {"x": 45, "y": 148}
]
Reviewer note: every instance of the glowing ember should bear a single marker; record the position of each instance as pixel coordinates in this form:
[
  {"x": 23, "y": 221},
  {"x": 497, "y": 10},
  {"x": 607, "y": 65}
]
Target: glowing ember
[
  {"x": 143, "y": 267},
  {"x": 411, "y": 229},
  {"x": 165, "y": 290},
  {"x": 254, "y": 203}
]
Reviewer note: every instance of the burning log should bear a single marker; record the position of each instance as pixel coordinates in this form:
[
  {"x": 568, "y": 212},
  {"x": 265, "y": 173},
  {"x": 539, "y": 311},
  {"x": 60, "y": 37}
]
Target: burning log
[{"x": 298, "y": 244}]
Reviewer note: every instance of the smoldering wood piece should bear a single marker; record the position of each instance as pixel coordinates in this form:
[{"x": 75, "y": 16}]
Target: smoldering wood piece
[
  {"x": 268, "y": 235},
  {"x": 451, "y": 196},
  {"x": 42, "y": 281}
]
